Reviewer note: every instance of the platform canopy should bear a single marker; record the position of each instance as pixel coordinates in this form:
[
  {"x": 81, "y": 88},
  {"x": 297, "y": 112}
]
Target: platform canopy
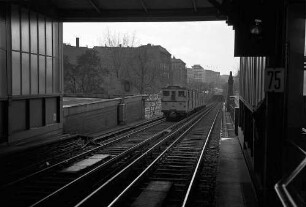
[{"x": 127, "y": 10}]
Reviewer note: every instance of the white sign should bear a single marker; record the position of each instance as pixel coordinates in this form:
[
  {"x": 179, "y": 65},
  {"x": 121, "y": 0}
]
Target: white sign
[{"x": 274, "y": 80}]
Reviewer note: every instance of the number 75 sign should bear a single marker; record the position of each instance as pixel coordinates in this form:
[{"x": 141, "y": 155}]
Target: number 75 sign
[{"x": 274, "y": 80}]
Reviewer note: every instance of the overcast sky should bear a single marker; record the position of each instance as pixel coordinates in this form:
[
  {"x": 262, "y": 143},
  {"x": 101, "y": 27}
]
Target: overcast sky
[{"x": 210, "y": 44}]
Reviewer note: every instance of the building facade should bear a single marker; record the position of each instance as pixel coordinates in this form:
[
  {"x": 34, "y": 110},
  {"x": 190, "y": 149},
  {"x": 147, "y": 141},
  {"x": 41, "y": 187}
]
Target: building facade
[
  {"x": 178, "y": 72},
  {"x": 129, "y": 70},
  {"x": 198, "y": 72},
  {"x": 211, "y": 76},
  {"x": 190, "y": 75}
]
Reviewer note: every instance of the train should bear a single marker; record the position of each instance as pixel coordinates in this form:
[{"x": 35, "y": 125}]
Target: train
[{"x": 179, "y": 102}]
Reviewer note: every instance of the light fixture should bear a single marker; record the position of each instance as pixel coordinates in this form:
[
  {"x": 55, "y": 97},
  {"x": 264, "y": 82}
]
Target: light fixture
[{"x": 256, "y": 28}]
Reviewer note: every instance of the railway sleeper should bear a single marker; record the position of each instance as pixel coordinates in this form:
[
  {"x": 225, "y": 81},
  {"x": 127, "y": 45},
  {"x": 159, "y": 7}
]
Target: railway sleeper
[{"x": 153, "y": 195}]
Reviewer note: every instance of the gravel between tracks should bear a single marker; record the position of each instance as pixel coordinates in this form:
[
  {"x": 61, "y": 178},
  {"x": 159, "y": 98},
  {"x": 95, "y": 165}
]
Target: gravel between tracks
[{"x": 204, "y": 192}]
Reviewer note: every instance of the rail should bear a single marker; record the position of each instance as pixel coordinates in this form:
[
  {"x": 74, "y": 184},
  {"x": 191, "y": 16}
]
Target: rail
[
  {"x": 135, "y": 180},
  {"x": 281, "y": 187},
  {"x": 200, "y": 160}
]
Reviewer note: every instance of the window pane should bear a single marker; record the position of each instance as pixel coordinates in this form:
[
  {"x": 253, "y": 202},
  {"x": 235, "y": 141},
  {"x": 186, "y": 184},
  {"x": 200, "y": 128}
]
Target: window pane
[
  {"x": 55, "y": 39},
  {"x": 33, "y": 32},
  {"x": 2, "y": 29},
  {"x": 166, "y": 93},
  {"x": 304, "y": 89},
  {"x": 16, "y": 73},
  {"x": 2, "y": 72},
  {"x": 49, "y": 37},
  {"x": 181, "y": 94},
  {"x": 25, "y": 74},
  {"x": 34, "y": 75},
  {"x": 42, "y": 35},
  {"x": 15, "y": 26},
  {"x": 25, "y": 31},
  {"x": 56, "y": 77},
  {"x": 49, "y": 75},
  {"x": 42, "y": 75}
]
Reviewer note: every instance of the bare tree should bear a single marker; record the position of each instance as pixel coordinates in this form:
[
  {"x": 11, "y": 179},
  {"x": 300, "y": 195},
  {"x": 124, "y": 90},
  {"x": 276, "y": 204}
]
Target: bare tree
[
  {"x": 142, "y": 72},
  {"x": 116, "y": 42}
]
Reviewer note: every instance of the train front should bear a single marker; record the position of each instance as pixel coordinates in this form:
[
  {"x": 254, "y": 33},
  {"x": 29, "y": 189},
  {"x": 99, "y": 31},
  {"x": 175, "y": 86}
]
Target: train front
[{"x": 174, "y": 102}]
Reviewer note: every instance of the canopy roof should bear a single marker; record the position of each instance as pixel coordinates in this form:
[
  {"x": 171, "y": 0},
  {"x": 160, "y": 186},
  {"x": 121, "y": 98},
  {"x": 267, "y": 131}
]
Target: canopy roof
[{"x": 127, "y": 10}]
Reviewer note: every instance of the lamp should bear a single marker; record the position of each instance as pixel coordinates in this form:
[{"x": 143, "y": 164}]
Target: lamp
[{"x": 256, "y": 28}]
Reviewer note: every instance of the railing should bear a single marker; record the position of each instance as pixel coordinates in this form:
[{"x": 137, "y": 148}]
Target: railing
[
  {"x": 233, "y": 109},
  {"x": 282, "y": 187}
]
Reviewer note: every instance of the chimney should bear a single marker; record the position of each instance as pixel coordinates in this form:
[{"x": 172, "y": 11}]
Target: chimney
[{"x": 77, "y": 42}]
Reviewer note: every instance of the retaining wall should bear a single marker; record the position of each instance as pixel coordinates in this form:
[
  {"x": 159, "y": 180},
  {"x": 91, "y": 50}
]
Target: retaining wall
[{"x": 93, "y": 117}]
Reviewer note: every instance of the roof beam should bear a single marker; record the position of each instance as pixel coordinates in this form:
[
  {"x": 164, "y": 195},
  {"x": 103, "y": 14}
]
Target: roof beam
[
  {"x": 194, "y": 5},
  {"x": 95, "y": 6},
  {"x": 156, "y": 15},
  {"x": 216, "y": 4},
  {"x": 144, "y": 6}
]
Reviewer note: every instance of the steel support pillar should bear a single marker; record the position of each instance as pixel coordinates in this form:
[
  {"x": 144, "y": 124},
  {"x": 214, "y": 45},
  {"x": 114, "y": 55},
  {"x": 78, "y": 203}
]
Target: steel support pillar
[{"x": 284, "y": 110}]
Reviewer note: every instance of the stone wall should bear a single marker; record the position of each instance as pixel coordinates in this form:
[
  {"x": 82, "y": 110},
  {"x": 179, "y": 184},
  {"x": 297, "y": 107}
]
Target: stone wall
[{"x": 102, "y": 115}]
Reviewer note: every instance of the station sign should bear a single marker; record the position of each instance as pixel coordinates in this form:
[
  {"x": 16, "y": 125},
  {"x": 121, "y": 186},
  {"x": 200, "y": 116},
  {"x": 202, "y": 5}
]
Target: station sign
[{"x": 274, "y": 80}]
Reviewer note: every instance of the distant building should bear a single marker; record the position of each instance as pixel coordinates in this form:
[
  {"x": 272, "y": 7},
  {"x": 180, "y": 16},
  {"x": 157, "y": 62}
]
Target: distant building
[
  {"x": 198, "y": 72},
  {"x": 211, "y": 76},
  {"x": 190, "y": 75},
  {"x": 146, "y": 68},
  {"x": 223, "y": 79},
  {"x": 178, "y": 72},
  {"x": 160, "y": 60}
]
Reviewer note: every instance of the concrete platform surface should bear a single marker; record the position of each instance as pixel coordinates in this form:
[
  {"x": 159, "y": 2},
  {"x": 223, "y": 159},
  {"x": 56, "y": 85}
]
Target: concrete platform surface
[{"x": 234, "y": 186}]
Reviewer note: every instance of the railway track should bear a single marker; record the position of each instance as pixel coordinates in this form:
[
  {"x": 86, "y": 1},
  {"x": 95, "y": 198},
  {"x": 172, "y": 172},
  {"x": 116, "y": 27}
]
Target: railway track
[
  {"x": 25, "y": 162},
  {"x": 17, "y": 166},
  {"x": 175, "y": 160},
  {"x": 48, "y": 185}
]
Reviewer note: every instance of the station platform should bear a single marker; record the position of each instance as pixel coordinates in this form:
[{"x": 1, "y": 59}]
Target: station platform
[{"x": 234, "y": 186}]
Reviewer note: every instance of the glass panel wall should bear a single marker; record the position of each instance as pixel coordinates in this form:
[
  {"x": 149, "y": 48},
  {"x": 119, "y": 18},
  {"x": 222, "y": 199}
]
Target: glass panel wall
[{"x": 35, "y": 49}]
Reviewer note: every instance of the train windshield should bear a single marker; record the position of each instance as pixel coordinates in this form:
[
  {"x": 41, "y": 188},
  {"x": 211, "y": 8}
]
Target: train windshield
[
  {"x": 166, "y": 93},
  {"x": 181, "y": 93}
]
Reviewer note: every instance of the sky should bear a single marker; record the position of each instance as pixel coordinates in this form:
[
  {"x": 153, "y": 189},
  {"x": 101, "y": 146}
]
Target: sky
[{"x": 210, "y": 44}]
